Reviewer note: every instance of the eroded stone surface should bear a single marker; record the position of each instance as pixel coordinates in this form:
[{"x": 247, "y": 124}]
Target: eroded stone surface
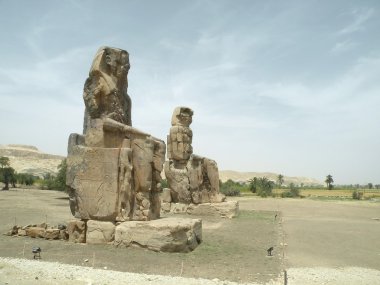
[
  {"x": 93, "y": 174},
  {"x": 76, "y": 230},
  {"x": 166, "y": 235},
  {"x": 100, "y": 232}
]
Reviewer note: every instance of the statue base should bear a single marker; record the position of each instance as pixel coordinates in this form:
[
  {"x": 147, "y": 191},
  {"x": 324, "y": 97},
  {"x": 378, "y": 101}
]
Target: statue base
[{"x": 228, "y": 209}]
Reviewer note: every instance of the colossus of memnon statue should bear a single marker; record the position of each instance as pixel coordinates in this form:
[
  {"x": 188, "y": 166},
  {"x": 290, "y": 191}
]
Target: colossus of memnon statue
[
  {"x": 113, "y": 169},
  {"x": 192, "y": 179}
]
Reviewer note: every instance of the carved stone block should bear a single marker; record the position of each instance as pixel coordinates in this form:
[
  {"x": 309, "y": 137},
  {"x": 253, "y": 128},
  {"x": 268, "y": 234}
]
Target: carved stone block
[
  {"x": 166, "y": 235},
  {"x": 76, "y": 230},
  {"x": 100, "y": 232},
  {"x": 92, "y": 176}
]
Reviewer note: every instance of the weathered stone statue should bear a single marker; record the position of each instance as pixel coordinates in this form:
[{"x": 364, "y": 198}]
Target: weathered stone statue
[
  {"x": 113, "y": 171},
  {"x": 191, "y": 178}
]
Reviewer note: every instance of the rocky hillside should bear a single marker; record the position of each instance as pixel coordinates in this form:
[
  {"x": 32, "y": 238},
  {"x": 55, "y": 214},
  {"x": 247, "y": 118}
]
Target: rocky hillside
[
  {"x": 224, "y": 175},
  {"x": 28, "y": 159}
]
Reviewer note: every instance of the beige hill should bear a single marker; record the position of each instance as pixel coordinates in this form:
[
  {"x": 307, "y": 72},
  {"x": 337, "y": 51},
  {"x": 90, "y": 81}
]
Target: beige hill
[
  {"x": 224, "y": 175},
  {"x": 28, "y": 159}
]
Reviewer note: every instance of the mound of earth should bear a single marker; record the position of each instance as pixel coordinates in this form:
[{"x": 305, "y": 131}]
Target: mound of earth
[{"x": 28, "y": 159}]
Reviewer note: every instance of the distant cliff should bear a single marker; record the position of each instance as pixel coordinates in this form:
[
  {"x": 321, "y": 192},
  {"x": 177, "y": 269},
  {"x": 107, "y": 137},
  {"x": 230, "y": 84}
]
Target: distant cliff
[{"x": 28, "y": 159}]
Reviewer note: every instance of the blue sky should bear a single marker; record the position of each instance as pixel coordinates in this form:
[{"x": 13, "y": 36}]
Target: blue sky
[{"x": 284, "y": 86}]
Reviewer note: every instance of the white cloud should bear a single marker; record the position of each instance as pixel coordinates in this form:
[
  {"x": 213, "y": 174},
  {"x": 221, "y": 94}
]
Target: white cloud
[
  {"x": 341, "y": 47},
  {"x": 361, "y": 16}
]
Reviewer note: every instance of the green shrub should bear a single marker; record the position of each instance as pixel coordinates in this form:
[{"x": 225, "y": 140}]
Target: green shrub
[
  {"x": 230, "y": 191},
  {"x": 292, "y": 193},
  {"x": 58, "y": 182},
  {"x": 357, "y": 195},
  {"x": 164, "y": 183},
  {"x": 232, "y": 188},
  {"x": 26, "y": 179}
]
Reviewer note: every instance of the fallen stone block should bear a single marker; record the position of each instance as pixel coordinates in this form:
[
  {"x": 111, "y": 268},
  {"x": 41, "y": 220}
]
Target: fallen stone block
[
  {"x": 166, "y": 235},
  {"x": 21, "y": 232},
  {"x": 100, "y": 232},
  {"x": 51, "y": 233},
  {"x": 35, "y": 232}
]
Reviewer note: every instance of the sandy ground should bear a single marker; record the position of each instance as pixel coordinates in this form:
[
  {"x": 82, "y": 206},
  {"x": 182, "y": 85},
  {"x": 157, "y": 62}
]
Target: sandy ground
[
  {"x": 330, "y": 234},
  {"x": 232, "y": 249},
  {"x": 323, "y": 243}
]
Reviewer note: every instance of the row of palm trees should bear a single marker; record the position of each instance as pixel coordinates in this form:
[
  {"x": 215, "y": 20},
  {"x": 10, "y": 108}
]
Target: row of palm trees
[{"x": 280, "y": 180}]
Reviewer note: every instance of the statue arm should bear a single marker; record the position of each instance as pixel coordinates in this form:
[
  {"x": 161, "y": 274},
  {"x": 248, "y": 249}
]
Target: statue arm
[{"x": 114, "y": 126}]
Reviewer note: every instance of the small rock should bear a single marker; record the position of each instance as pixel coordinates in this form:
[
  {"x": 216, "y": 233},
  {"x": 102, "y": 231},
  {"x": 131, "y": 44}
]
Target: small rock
[{"x": 61, "y": 226}]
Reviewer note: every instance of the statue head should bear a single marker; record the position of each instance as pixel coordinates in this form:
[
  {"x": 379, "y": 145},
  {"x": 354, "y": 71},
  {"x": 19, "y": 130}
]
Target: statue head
[
  {"x": 105, "y": 90},
  {"x": 182, "y": 116},
  {"x": 113, "y": 62}
]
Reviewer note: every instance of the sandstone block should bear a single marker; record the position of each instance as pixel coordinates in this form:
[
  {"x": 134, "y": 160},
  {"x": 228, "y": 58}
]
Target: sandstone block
[
  {"x": 35, "y": 232},
  {"x": 21, "y": 232},
  {"x": 52, "y": 234},
  {"x": 77, "y": 231},
  {"x": 100, "y": 232},
  {"x": 229, "y": 209},
  {"x": 166, "y": 235},
  {"x": 92, "y": 177}
]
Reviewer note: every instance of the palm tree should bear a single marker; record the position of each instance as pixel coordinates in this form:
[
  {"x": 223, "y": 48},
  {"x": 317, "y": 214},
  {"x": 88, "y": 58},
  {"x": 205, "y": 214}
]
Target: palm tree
[
  {"x": 329, "y": 181},
  {"x": 253, "y": 184},
  {"x": 280, "y": 180},
  {"x": 4, "y": 161}
]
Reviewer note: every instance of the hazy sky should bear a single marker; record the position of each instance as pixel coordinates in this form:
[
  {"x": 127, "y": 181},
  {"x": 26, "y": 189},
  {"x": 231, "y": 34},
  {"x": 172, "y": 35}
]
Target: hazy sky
[{"x": 291, "y": 87}]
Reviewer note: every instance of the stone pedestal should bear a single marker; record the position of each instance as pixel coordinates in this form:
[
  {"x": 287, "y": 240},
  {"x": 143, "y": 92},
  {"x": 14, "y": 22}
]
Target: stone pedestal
[
  {"x": 166, "y": 235},
  {"x": 100, "y": 232},
  {"x": 229, "y": 209},
  {"x": 93, "y": 173}
]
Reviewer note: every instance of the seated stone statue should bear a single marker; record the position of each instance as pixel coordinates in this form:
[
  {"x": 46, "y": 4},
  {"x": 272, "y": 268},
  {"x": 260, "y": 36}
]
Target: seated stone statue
[
  {"x": 191, "y": 178},
  {"x": 113, "y": 169}
]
